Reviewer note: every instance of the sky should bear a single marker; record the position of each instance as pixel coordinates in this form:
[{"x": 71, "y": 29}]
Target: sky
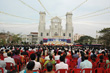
[{"x": 82, "y": 25}]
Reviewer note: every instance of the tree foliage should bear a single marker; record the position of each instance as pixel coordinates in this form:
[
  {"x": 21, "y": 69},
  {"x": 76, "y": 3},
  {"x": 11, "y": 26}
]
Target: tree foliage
[
  {"x": 105, "y": 36},
  {"x": 85, "y": 39}
]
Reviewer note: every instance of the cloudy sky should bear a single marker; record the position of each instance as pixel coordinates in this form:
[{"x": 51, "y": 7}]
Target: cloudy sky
[{"x": 26, "y": 19}]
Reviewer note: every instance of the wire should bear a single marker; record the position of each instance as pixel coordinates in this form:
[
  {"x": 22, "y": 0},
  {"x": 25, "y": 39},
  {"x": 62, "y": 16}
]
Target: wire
[
  {"x": 94, "y": 15},
  {"x": 44, "y": 7},
  {"x": 93, "y": 12},
  {"x": 79, "y": 5},
  {"x": 18, "y": 23},
  {"x": 76, "y": 7},
  {"x": 16, "y": 16},
  {"x": 92, "y": 22},
  {"x": 29, "y": 6}
]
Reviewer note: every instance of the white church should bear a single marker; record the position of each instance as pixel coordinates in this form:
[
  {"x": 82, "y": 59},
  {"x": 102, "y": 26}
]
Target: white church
[{"x": 55, "y": 33}]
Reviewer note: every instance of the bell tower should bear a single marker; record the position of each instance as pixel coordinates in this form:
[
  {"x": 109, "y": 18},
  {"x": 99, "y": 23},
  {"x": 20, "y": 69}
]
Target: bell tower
[{"x": 69, "y": 26}]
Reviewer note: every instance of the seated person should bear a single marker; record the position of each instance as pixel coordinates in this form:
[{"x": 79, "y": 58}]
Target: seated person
[
  {"x": 49, "y": 68},
  {"x": 3, "y": 65},
  {"x": 52, "y": 61},
  {"x": 37, "y": 64},
  {"x": 9, "y": 59},
  {"x": 30, "y": 67},
  {"x": 61, "y": 65}
]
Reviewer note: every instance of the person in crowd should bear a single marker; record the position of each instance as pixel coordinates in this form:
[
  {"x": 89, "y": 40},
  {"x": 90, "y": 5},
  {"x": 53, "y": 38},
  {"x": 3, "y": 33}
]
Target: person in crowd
[
  {"x": 9, "y": 59},
  {"x": 3, "y": 65},
  {"x": 67, "y": 61},
  {"x": 1, "y": 55},
  {"x": 47, "y": 57},
  {"x": 49, "y": 68},
  {"x": 5, "y": 53},
  {"x": 101, "y": 59},
  {"x": 30, "y": 66},
  {"x": 37, "y": 64},
  {"x": 39, "y": 58},
  {"x": 24, "y": 52},
  {"x": 108, "y": 61},
  {"x": 16, "y": 56},
  {"x": 75, "y": 55},
  {"x": 51, "y": 60},
  {"x": 61, "y": 65},
  {"x": 86, "y": 63},
  {"x": 57, "y": 57},
  {"x": 79, "y": 59}
]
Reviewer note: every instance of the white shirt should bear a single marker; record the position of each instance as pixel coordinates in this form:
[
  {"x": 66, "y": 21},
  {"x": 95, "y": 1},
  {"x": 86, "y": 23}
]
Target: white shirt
[
  {"x": 37, "y": 65},
  {"x": 57, "y": 57},
  {"x": 61, "y": 65},
  {"x": 85, "y": 64},
  {"x": 9, "y": 59},
  {"x": 47, "y": 58},
  {"x": 5, "y": 54}
]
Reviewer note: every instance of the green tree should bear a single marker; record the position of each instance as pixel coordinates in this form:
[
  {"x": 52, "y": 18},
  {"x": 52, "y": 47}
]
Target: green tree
[
  {"x": 105, "y": 36},
  {"x": 16, "y": 38},
  {"x": 85, "y": 39}
]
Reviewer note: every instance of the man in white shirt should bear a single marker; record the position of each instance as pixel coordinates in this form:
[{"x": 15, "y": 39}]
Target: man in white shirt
[
  {"x": 61, "y": 65},
  {"x": 86, "y": 63},
  {"x": 9, "y": 59},
  {"x": 57, "y": 57}
]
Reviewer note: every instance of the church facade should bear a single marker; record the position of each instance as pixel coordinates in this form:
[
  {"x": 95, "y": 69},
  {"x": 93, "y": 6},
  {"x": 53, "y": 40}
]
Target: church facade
[{"x": 55, "y": 32}]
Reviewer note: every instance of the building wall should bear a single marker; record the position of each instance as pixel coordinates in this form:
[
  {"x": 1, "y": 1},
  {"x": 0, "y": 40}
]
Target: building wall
[
  {"x": 77, "y": 36},
  {"x": 55, "y": 30}
]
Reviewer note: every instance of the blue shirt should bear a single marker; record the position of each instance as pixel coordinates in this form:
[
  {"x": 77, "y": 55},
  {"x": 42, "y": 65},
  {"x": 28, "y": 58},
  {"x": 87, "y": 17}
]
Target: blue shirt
[{"x": 25, "y": 72}]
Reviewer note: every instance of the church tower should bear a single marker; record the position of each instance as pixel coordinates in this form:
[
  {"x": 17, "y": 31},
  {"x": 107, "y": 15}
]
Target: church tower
[
  {"x": 41, "y": 27},
  {"x": 69, "y": 26}
]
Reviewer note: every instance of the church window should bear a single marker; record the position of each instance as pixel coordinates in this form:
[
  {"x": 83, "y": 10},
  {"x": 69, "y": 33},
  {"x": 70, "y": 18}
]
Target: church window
[
  {"x": 47, "y": 34},
  {"x": 69, "y": 34},
  {"x": 63, "y": 34},
  {"x": 41, "y": 34}
]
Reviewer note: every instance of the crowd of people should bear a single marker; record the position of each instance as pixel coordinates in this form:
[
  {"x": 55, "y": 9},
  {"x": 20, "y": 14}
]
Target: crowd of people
[{"x": 50, "y": 59}]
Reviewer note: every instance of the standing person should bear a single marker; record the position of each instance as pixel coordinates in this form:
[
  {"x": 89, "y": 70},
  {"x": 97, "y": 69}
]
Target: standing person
[{"x": 61, "y": 65}]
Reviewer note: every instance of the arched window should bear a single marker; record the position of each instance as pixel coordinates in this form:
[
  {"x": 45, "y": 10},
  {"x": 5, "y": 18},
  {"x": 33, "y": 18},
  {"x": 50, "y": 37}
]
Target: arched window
[
  {"x": 69, "y": 34},
  {"x": 47, "y": 34},
  {"x": 41, "y": 34},
  {"x": 63, "y": 34}
]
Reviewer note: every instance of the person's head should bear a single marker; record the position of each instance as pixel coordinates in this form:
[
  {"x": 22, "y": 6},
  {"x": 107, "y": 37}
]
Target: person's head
[
  {"x": 9, "y": 54},
  {"x": 101, "y": 58},
  {"x": 6, "y": 50},
  {"x": 64, "y": 55},
  {"x": 32, "y": 56},
  {"x": 75, "y": 51},
  {"x": 62, "y": 58},
  {"x": 59, "y": 52},
  {"x": 49, "y": 66},
  {"x": 86, "y": 57},
  {"x": 30, "y": 65},
  {"x": 16, "y": 52},
  {"x": 50, "y": 56}
]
